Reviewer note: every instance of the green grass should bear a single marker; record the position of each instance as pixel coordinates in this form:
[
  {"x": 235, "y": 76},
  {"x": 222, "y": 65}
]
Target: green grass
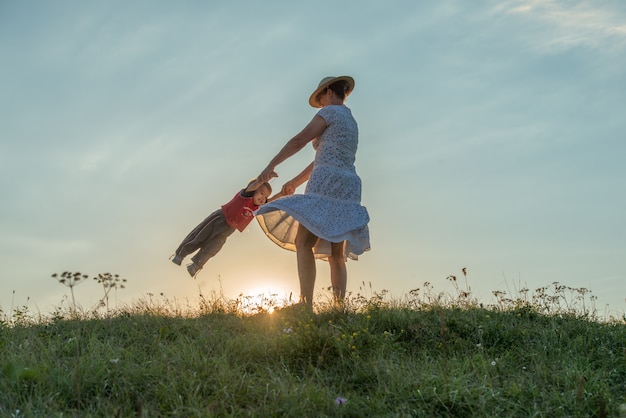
[{"x": 424, "y": 355}]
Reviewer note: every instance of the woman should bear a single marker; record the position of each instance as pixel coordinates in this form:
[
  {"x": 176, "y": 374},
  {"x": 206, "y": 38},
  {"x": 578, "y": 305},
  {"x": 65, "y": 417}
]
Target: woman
[{"x": 327, "y": 221}]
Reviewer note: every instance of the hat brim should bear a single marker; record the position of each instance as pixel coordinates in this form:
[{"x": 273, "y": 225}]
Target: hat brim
[{"x": 314, "y": 102}]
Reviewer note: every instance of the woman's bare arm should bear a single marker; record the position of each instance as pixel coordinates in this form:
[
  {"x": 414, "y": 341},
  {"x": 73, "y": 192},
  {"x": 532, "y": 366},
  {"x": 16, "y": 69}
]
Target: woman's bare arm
[
  {"x": 314, "y": 129},
  {"x": 291, "y": 186}
]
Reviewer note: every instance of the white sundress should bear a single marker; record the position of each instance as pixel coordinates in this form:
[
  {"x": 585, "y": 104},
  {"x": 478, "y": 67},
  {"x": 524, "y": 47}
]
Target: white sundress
[{"x": 330, "y": 207}]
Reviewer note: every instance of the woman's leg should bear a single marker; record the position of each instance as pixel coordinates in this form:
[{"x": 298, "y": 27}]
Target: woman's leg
[
  {"x": 305, "y": 241},
  {"x": 338, "y": 273}
]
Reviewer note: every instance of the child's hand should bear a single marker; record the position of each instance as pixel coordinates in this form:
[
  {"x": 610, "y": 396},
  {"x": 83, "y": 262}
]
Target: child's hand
[{"x": 266, "y": 175}]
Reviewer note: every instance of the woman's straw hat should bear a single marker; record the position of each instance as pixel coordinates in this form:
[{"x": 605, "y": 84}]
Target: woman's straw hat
[{"x": 327, "y": 81}]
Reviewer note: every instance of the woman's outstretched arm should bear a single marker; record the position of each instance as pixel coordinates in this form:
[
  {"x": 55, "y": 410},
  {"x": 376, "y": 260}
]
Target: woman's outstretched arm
[
  {"x": 291, "y": 186},
  {"x": 295, "y": 144}
]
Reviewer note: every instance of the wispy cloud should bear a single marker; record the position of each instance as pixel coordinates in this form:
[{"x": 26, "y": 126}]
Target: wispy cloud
[
  {"x": 572, "y": 24},
  {"x": 51, "y": 247}
]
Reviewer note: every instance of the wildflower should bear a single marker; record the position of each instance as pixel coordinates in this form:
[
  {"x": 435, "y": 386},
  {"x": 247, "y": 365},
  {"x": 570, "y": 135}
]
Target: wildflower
[
  {"x": 287, "y": 330},
  {"x": 114, "y": 360},
  {"x": 493, "y": 363},
  {"x": 340, "y": 400}
]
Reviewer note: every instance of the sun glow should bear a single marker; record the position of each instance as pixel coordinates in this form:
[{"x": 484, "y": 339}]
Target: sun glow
[{"x": 258, "y": 300}]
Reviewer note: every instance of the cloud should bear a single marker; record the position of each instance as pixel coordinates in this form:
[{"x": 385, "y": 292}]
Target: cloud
[
  {"x": 583, "y": 24},
  {"x": 51, "y": 247}
]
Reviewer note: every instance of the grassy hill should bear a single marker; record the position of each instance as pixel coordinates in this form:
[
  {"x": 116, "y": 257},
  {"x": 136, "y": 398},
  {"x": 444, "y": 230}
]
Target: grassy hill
[{"x": 422, "y": 356}]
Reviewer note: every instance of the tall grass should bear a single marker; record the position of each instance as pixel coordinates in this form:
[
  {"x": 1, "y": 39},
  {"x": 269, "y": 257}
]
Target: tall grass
[{"x": 542, "y": 354}]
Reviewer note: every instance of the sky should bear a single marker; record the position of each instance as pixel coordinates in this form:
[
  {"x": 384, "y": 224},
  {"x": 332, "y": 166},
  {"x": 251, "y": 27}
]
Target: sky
[{"x": 491, "y": 138}]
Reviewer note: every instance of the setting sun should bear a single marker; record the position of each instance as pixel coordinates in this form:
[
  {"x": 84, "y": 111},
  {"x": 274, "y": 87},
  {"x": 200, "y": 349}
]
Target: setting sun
[{"x": 266, "y": 299}]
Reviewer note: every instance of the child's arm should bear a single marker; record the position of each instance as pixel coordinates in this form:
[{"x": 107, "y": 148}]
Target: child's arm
[
  {"x": 276, "y": 196},
  {"x": 253, "y": 186}
]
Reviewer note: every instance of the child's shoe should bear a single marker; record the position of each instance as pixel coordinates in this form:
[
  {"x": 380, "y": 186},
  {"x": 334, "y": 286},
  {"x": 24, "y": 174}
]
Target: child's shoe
[
  {"x": 177, "y": 259},
  {"x": 193, "y": 269}
]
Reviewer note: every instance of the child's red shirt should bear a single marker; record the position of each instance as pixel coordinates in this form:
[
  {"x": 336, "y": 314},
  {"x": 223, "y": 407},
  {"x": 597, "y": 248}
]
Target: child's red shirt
[{"x": 239, "y": 212}]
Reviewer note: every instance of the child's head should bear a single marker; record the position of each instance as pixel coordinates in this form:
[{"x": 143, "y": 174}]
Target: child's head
[{"x": 262, "y": 193}]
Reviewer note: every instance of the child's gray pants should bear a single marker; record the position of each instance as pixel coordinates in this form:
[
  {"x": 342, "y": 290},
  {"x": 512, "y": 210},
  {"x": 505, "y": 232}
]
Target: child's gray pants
[{"x": 209, "y": 237}]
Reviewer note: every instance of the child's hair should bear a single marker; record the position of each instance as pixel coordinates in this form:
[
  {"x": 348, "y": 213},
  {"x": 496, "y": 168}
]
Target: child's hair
[
  {"x": 269, "y": 187},
  {"x": 266, "y": 184}
]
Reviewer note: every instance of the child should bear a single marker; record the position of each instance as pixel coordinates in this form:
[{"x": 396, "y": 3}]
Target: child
[{"x": 211, "y": 234}]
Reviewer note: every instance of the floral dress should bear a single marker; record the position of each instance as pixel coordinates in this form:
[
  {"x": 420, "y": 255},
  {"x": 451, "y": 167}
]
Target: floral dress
[{"x": 330, "y": 207}]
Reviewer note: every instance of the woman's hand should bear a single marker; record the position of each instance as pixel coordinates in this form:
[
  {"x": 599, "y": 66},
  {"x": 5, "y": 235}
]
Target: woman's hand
[
  {"x": 289, "y": 188},
  {"x": 267, "y": 174}
]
